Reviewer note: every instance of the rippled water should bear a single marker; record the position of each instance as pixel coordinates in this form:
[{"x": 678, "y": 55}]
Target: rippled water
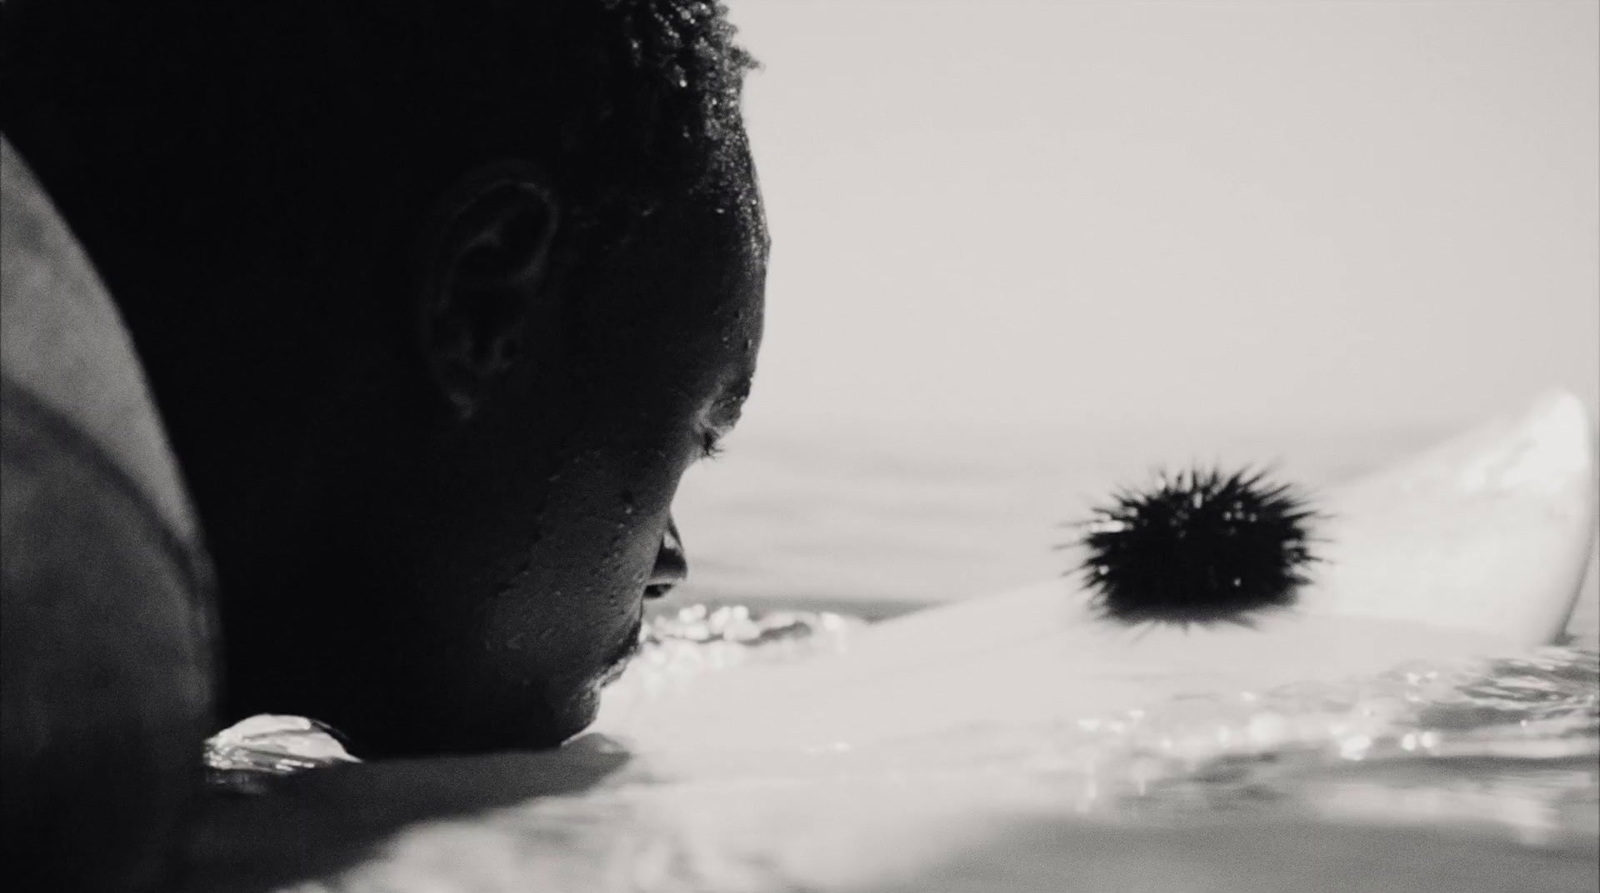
[
  {"x": 1507, "y": 748},
  {"x": 1510, "y": 743}
]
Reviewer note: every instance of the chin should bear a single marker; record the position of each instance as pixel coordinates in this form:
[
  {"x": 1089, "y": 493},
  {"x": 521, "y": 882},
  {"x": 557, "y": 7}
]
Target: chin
[
  {"x": 575, "y": 714},
  {"x": 574, "y": 710}
]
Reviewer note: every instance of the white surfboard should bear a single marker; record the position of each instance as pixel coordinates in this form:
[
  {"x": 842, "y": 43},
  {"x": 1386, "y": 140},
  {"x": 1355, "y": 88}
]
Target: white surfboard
[{"x": 1475, "y": 547}]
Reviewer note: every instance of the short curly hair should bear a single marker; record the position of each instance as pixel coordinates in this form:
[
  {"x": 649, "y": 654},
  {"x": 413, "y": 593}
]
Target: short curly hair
[{"x": 623, "y": 101}]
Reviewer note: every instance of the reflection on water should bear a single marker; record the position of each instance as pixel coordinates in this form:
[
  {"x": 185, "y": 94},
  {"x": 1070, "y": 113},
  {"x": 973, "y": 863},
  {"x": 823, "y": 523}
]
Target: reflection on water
[
  {"x": 1508, "y": 742},
  {"x": 1510, "y": 745},
  {"x": 1504, "y": 752},
  {"x": 676, "y": 648}
]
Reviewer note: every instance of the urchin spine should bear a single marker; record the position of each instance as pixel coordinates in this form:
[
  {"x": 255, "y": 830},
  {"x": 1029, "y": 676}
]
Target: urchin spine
[{"x": 1198, "y": 546}]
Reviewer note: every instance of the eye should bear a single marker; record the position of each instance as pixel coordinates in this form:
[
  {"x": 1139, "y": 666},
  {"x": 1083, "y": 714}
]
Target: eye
[{"x": 710, "y": 443}]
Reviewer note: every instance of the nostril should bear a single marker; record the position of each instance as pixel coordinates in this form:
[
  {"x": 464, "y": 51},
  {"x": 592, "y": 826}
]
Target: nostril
[{"x": 671, "y": 567}]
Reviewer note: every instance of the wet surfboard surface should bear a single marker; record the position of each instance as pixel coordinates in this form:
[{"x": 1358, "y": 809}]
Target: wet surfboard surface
[
  {"x": 1474, "y": 547},
  {"x": 1020, "y": 742}
]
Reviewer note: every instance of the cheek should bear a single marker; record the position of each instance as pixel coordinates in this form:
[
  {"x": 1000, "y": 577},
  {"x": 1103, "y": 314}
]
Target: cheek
[{"x": 584, "y": 579}]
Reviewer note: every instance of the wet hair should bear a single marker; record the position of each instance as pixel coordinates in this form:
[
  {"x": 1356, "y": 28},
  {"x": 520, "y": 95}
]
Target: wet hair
[{"x": 359, "y": 106}]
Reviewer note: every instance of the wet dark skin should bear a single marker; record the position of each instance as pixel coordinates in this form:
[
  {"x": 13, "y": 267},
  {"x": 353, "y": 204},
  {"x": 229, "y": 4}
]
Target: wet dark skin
[
  {"x": 434, "y": 446},
  {"x": 473, "y": 576},
  {"x": 466, "y": 572}
]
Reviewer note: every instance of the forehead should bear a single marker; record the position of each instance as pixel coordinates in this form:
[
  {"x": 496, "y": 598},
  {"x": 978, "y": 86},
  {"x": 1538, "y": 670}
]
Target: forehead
[{"x": 681, "y": 296}]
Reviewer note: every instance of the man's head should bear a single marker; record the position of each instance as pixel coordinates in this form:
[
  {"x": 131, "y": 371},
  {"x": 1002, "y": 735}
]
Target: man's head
[{"x": 438, "y": 301}]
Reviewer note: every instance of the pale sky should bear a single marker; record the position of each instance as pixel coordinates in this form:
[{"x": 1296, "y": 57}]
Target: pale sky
[{"x": 1327, "y": 215}]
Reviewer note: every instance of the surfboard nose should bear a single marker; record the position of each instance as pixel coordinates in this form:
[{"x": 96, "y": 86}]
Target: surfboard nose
[
  {"x": 1472, "y": 548},
  {"x": 1489, "y": 531}
]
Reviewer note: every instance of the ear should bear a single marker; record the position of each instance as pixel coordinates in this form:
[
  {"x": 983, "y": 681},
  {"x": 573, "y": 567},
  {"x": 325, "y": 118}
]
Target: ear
[{"x": 485, "y": 263}]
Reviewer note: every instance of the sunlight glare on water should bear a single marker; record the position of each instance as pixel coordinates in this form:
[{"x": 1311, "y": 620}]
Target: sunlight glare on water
[
  {"x": 799, "y": 544},
  {"x": 1508, "y": 743}
]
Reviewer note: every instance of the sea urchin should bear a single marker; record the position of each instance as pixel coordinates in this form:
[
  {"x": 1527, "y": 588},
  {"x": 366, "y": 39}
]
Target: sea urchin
[{"x": 1198, "y": 547}]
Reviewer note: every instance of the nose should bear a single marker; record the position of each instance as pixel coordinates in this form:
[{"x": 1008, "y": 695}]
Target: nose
[{"x": 672, "y": 567}]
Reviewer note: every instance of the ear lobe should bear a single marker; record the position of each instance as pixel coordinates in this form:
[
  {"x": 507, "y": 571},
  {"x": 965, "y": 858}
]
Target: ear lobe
[{"x": 485, "y": 268}]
